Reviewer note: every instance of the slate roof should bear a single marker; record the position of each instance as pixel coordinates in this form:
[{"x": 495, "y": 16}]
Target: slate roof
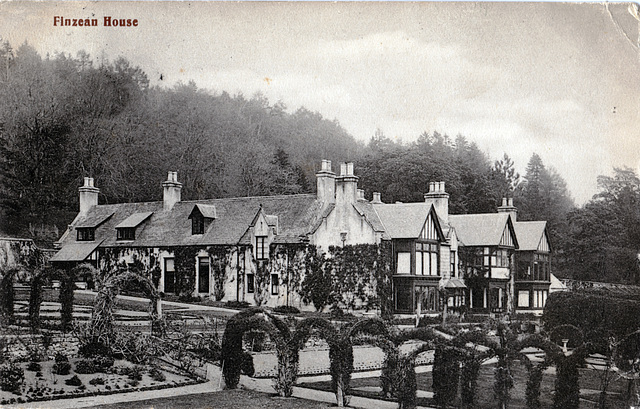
[
  {"x": 93, "y": 220},
  {"x": 296, "y": 215},
  {"x": 367, "y": 210},
  {"x": 403, "y": 220},
  {"x": 529, "y": 234},
  {"x": 134, "y": 220},
  {"x": 207, "y": 211},
  {"x": 77, "y": 251},
  {"x": 483, "y": 229}
]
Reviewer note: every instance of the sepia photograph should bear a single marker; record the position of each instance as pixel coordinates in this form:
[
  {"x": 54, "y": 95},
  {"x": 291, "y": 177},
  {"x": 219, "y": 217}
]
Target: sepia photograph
[{"x": 319, "y": 204}]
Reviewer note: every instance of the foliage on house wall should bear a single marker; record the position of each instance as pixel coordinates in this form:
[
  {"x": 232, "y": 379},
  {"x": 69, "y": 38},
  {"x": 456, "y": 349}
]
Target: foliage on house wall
[
  {"x": 185, "y": 267},
  {"x": 262, "y": 279},
  {"x": 289, "y": 262},
  {"x": 349, "y": 276},
  {"x": 220, "y": 260}
]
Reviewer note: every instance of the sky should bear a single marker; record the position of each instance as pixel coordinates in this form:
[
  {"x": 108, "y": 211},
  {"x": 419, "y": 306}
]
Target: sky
[{"x": 558, "y": 79}]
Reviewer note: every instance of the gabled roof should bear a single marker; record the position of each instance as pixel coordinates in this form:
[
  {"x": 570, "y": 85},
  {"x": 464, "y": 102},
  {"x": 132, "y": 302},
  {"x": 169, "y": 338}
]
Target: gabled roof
[
  {"x": 366, "y": 210},
  {"x": 483, "y": 229},
  {"x": 207, "y": 211},
  {"x": 406, "y": 220},
  {"x": 134, "y": 220},
  {"x": 529, "y": 234},
  {"x": 296, "y": 215}
]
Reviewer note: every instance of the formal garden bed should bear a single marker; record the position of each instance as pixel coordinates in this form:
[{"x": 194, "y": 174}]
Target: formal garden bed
[{"x": 67, "y": 378}]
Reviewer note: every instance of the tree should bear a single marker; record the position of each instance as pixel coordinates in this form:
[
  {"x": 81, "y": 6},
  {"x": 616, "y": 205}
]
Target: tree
[{"x": 602, "y": 240}]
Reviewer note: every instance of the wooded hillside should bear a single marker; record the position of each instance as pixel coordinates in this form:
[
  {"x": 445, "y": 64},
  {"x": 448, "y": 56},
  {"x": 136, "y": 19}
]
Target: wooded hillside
[{"x": 63, "y": 118}]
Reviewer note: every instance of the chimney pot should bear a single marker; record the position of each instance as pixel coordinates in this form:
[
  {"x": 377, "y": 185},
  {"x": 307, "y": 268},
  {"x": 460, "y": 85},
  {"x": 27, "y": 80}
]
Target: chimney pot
[
  {"x": 511, "y": 201},
  {"x": 376, "y": 198},
  {"x": 442, "y": 187},
  {"x": 343, "y": 169},
  {"x": 504, "y": 201},
  {"x": 350, "y": 169}
]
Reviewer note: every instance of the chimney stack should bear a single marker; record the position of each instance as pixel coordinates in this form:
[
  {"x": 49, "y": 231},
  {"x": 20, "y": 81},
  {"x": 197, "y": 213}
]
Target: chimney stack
[
  {"x": 439, "y": 198},
  {"x": 376, "y": 198},
  {"x": 172, "y": 190},
  {"x": 361, "y": 195},
  {"x": 326, "y": 183},
  {"x": 508, "y": 207},
  {"x": 346, "y": 184},
  {"x": 88, "y": 195}
]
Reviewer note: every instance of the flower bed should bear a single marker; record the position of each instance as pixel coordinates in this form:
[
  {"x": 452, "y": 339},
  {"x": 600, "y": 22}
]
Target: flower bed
[{"x": 40, "y": 383}]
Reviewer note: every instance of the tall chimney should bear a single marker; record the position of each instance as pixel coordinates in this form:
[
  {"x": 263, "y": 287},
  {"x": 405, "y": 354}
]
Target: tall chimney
[
  {"x": 508, "y": 207},
  {"x": 172, "y": 190},
  {"x": 326, "y": 183},
  {"x": 346, "y": 184},
  {"x": 88, "y": 195},
  {"x": 439, "y": 198}
]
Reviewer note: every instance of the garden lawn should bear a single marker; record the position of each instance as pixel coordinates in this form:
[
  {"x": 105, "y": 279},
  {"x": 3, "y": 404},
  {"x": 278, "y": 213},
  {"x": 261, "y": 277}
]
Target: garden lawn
[
  {"x": 589, "y": 385},
  {"x": 227, "y": 399}
]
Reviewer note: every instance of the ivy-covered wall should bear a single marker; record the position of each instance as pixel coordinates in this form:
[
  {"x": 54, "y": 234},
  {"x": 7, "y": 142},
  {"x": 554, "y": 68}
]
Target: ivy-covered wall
[{"x": 349, "y": 277}]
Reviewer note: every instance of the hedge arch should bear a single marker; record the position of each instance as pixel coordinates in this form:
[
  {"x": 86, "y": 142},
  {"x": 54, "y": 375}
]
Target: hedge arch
[
  {"x": 109, "y": 285},
  {"x": 567, "y": 395},
  {"x": 7, "y": 292},
  {"x": 232, "y": 356}
]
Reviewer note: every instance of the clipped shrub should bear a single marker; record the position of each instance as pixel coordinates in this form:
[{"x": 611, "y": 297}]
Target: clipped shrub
[
  {"x": 157, "y": 375},
  {"x": 73, "y": 381},
  {"x": 62, "y": 365},
  {"x": 286, "y": 309},
  {"x": 34, "y": 367},
  {"x": 590, "y": 312},
  {"x": 92, "y": 349},
  {"x": 11, "y": 377},
  {"x": 96, "y": 381},
  {"x": 85, "y": 366}
]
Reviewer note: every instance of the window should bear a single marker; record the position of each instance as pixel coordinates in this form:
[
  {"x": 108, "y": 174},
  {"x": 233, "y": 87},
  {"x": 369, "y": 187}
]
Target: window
[
  {"x": 403, "y": 263},
  {"x": 126, "y": 233},
  {"x": 403, "y": 297},
  {"x": 86, "y": 234},
  {"x": 250, "y": 283},
  {"x": 500, "y": 258},
  {"x": 262, "y": 251},
  {"x": 169, "y": 276},
  {"x": 523, "y": 298},
  {"x": 426, "y": 259},
  {"x": 453, "y": 264},
  {"x": 539, "y": 298},
  {"x": 275, "y": 284},
  {"x": 428, "y": 298},
  {"x": 203, "y": 274},
  {"x": 197, "y": 224}
]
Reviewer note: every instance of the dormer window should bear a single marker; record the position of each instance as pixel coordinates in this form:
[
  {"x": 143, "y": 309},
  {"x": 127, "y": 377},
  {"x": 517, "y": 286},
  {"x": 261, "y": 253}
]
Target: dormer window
[
  {"x": 201, "y": 217},
  {"x": 126, "y": 233},
  {"x": 197, "y": 224},
  {"x": 126, "y": 230},
  {"x": 86, "y": 234}
]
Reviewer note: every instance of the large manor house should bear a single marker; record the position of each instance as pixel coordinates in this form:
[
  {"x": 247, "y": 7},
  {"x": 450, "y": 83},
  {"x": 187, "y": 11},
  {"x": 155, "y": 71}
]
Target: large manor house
[{"x": 505, "y": 260}]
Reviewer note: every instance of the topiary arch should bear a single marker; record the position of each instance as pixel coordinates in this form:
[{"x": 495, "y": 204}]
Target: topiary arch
[{"x": 108, "y": 286}]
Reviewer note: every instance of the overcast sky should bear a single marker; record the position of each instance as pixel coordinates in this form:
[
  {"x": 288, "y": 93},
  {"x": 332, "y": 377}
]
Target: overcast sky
[{"x": 559, "y": 79}]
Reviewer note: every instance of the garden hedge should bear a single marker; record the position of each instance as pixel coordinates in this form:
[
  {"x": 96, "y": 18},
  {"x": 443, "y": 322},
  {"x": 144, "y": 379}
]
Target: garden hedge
[{"x": 597, "y": 316}]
